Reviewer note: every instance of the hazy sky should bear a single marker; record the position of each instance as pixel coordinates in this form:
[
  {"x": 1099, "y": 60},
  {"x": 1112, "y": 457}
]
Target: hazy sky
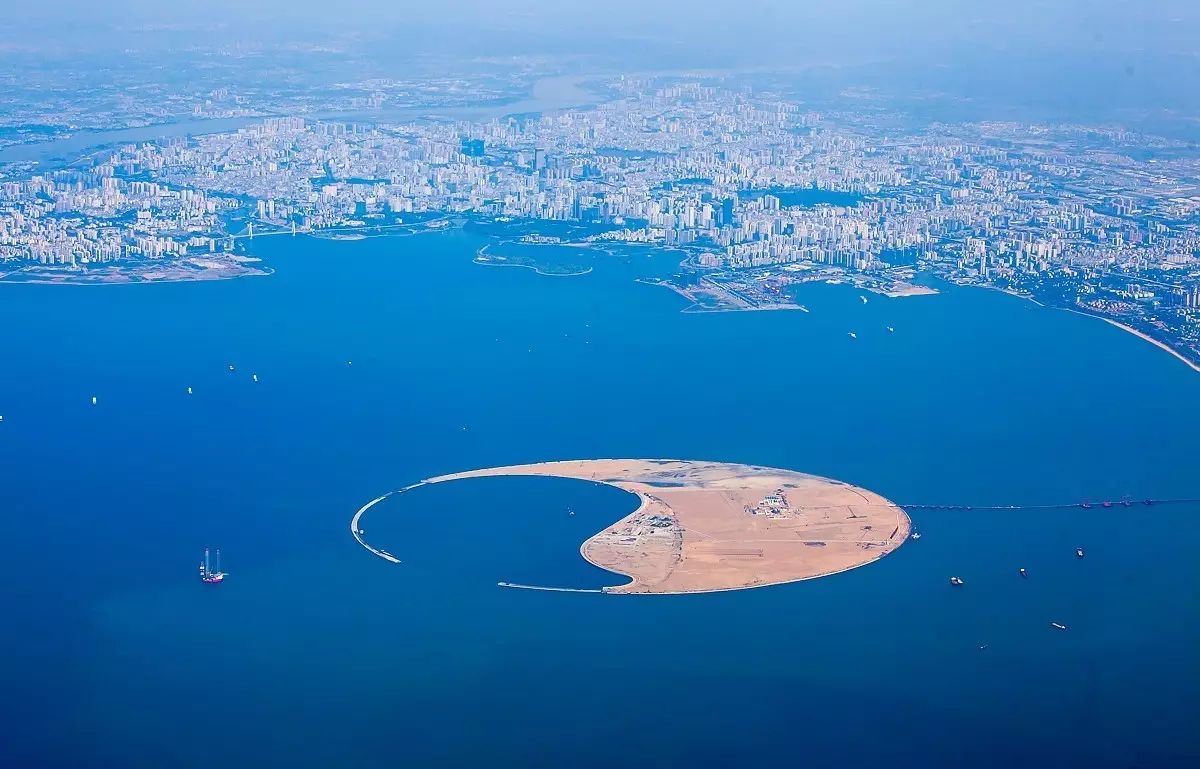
[
  {"x": 798, "y": 29},
  {"x": 1087, "y": 59}
]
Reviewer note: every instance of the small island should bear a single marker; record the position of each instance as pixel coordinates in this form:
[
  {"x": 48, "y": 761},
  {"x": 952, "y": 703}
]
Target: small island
[
  {"x": 542, "y": 263},
  {"x": 217, "y": 266},
  {"x": 711, "y": 526}
]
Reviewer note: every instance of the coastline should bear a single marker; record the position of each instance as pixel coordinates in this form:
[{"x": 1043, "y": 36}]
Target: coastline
[
  {"x": 1194, "y": 366},
  {"x": 533, "y": 267},
  {"x": 627, "y": 588},
  {"x": 482, "y": 257},
  {"x": 131, "y": 277},
  {"x": 1140, "y": 335},
  {"x": 357, "y": 533},
  {"x": 656, "y": 481},
  {"x": 127, "y": 280},
  {"x": 997, "y": 289},
  {"x": 643, "y": 501}
]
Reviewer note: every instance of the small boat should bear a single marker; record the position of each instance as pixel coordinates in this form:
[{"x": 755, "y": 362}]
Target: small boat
[
  {"x": 254, "y": 377},
  {"x": 956, "y": 582},
  {"x": 189, "y": 391},
  {"x": 863, "y": 298},
  {"x": 1085, "y": 505},
  {"x": 231, "y": 367},
  {"x": 93, "y": 400},
  {"x": 891, "y": 330},
  {"x": 210, "y": 573},
  {"x": 1023, "y": 573},
  {"x": 853, "y": 335},
  {"x": 915, "y": 535},
  {"x": 1079, "y": 552},
  {"x": 349, "y": 363},
  {"x": 1058, "y": 626}
]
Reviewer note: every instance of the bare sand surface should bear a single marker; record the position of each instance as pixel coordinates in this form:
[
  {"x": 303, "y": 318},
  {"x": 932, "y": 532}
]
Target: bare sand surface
[
  {"x": 909, "y": 289},
  {"x": 1140, "y": 335},
  {"x": 708, "y": 526},
  {"x": 1111, "y": 321},
  {"x": 191, "y": 269}
]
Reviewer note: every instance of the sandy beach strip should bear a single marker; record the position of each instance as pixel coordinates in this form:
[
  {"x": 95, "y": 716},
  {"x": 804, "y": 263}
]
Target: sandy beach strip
[
  {"x": 694, "y": 518},
  {"x": 1141, "y": 335}
]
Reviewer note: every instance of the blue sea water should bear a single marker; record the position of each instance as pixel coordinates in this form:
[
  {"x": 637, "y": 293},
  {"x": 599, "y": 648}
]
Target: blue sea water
[{"x": 316, "y": 654}]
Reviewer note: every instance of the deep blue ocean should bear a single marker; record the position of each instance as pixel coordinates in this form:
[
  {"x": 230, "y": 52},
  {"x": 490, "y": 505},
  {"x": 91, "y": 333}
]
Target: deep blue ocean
[{"x": 316, "y": 654}]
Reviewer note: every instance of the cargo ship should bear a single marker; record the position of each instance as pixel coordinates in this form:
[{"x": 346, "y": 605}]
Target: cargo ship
[{"x": 210, "y": 571}]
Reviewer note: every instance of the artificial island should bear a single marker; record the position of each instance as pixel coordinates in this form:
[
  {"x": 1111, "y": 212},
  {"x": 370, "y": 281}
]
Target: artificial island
[{"x": 710, "y": 526}]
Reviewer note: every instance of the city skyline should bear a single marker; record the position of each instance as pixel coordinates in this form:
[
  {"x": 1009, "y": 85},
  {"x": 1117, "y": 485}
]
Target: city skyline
[{"x": 1094, "y": 218}]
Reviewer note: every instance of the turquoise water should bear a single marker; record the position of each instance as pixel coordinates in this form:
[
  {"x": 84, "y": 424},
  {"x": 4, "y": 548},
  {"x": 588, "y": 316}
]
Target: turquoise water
[{"x": 317, "y": 654}]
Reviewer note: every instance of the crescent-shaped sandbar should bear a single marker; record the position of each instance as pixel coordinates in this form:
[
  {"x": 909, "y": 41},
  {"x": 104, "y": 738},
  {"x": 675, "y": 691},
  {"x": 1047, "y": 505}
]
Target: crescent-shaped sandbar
[{"x": 708, "y": 526}]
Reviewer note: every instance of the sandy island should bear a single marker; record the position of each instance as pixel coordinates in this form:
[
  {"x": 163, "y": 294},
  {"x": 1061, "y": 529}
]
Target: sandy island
[{"x": 708, "y": 526}]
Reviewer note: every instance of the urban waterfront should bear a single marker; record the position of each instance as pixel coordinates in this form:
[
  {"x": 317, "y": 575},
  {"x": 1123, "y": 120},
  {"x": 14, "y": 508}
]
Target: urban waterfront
[
  {"x": 387, "y": 360},
  {"x": 1098, "y": 219}
]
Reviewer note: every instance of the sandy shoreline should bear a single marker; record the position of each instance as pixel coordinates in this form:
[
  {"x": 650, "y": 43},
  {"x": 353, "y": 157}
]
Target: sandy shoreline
[
  {"x": 1141, "y": 335},
  {"x": 1124, "y": 327},
  {"x": 709, "y": 526},
  {"x": 132, "y": 279},
  {"x": 357, "y": 532},
  {"x": 482, "y": 257},
  {"x": 535, "y": 268}
]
